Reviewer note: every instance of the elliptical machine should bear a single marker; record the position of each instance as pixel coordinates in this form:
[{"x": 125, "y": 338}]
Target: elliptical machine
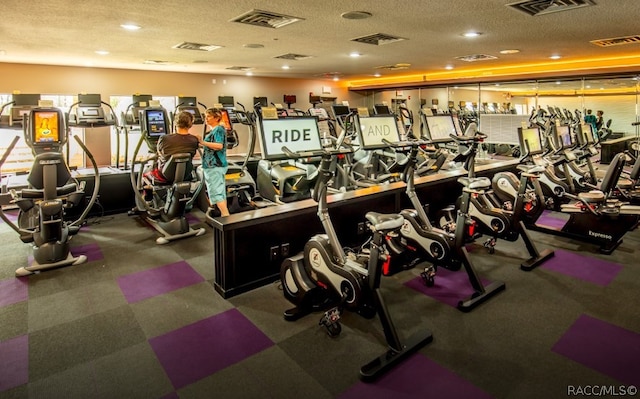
[
  {"x": 324, "y": 277},
  {"x": 52, "y": 189}
]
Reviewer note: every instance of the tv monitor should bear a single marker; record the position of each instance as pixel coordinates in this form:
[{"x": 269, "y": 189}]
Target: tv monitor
[
  {"x": 530, "y": 138},
  {"x": 45, "y": 126},
  {"x": 193, "y": 110},
  {"x": 226, "y": 120},
  {"x": 289, "y": 99},
  {"x": 297, "y": 134},
  {"x": 141, "y": 100},
  {"x": 262, "y": 101},
  {"x": 21, "y": 100},
  {"x": 187, "y": 101},
  {"x": 89, "y": 100},
  {"x": 586, "y": 134},
  {"x": 375, "y": 129},
  {"x": 226, "y": 101},
  {"x": 563, "y": 136},
  {"x": 340, "y": 110},
  {"x": 381, "y": 109},
  {"x": 439, "y": 128},
  {"x": 155, "y": 122}
]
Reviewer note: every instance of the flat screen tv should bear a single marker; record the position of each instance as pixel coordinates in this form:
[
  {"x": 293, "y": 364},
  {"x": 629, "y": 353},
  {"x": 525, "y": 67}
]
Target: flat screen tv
[
  {"x": 297, "y": 134},
  {"x": 375, "y": 129},
  {"x": 439, "y": 128},
  {"x": 530, "y": 140}
]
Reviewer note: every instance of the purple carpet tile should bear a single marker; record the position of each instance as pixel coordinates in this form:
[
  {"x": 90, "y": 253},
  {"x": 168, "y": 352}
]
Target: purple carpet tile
[
  {"x": 12, "y": 215},
  {"x": 548, "y": 220},
  {"x": 407, "y": 381},
  {"x": 13, "y": 290},
  {"x": 449, "y": 287},
  {"x": 200, "y": 349},
  {"x": 157, "y": 281},
  {"x": 92, "y": 251},
  {"x": 586, "y": 268},
  {"x": 14, "y": 362},
  {"x": 604, "y": 347},
  {"x": 192, "y": 219}
]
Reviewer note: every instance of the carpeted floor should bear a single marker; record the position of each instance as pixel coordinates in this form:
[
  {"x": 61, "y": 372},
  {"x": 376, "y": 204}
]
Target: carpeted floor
[{"x": 141, "y": 320}]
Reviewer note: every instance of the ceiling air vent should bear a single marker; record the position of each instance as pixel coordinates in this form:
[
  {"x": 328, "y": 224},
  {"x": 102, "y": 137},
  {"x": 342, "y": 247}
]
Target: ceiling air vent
[
  {"x": 292, "y": 56},
  {"x": 378, "y": 39},
  {"x": 541, "y": 7},
  {"x": 476, "y": 57},
  {"x": 616, "y": 41},
  {"x": 158, "y": 62},
  {"x": 238, "y": 68},
  {"x": 196, "y": 46},
  {"x": 266, "y": 19},
  {"x": 394, "y": 67}
]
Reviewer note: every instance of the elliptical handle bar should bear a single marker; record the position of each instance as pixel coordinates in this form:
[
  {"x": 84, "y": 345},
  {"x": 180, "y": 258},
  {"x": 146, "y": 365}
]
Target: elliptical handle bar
[{"x": 315, "y": 153}]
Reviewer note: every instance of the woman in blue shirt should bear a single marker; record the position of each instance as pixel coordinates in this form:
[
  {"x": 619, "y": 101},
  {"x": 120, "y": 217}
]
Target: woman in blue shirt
[{"x": 214, "y": 160}]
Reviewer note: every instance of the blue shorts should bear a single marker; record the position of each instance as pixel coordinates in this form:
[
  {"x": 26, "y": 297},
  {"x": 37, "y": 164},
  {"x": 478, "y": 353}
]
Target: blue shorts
[{"x": 216, "y": 187}]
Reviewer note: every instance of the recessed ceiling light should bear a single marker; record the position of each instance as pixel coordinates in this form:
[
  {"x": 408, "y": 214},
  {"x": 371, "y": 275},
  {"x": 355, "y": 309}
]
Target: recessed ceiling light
[
  {"x": 130, "y": 26},
  {"x": 356, "y": 15},
  {"x": 555, "y": 57},
  {"x": 449, "y": 67},
  {"x": 471, "y": 34},
  {"x": 249, "y": 73},
  {"x": 286, "y": 67},
  {"x": 335, "y": 78},
  {"x": 377, "y": 75},
  {"x": 354, "y": 54},
  {"x": 253, "y": 45},
  {"x": 511, "y": 51},
  {"x": 102, "y": 52}
]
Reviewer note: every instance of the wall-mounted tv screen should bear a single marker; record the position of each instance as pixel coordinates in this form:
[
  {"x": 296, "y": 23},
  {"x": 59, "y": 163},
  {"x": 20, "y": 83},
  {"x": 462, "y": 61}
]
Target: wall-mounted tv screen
[
  {"x": 297, "y": 134},
  {"x": 530, "y": 138},
  {"x": 375, "y": 129},
  {"x": 45, "y": 126},
  {"x": 439, "y": 128}
]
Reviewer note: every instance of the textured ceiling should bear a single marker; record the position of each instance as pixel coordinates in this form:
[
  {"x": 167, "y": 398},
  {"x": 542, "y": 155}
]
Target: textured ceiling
[{"x": 69, "y": 33}]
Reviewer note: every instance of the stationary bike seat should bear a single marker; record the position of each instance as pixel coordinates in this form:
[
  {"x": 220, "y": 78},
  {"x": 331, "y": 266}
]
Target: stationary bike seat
[
  {"x": 475, "y": 183},
  {"x": 384, "y": 221},
  {"x": 531, "y": 168},
  {"x": 593, "y": 196}
]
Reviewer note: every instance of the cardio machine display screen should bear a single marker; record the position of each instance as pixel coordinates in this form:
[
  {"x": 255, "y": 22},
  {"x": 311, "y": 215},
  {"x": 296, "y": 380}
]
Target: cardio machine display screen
[
  {"x": 46, "y": 127},
  {"x": 530, "y": 137},
  {"x": 226, "y": 120},
  {"x": 375, "y": 129},
  {"x": 563, "y": 133},
  {"x": 156, "y": 123},
  {"x": 439, "y": 127},
  {"x": 587, "y": 133},
  {"x": 297, "y": 134}
]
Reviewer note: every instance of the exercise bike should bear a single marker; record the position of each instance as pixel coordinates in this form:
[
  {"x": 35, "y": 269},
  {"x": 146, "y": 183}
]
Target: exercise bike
[
  {"x": 420, "y": 242},
  {"x": 492, "y": 220},
  {"x": 324, "y": 278}
]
